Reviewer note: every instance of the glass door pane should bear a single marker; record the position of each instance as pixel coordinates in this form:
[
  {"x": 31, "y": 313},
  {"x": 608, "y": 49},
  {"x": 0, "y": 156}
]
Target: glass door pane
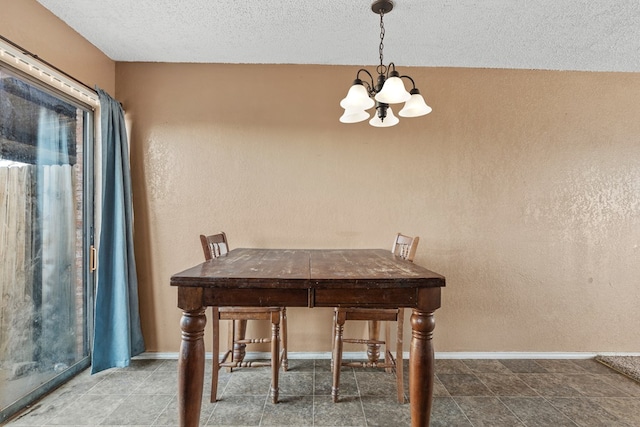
[{"x": 43, "y": 244}]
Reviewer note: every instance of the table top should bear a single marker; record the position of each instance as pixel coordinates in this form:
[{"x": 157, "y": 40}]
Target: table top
[{"x": 306, "y": 269}]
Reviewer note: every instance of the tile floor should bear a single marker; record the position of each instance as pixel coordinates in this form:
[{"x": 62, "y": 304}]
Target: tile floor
[{"x": 467, "y": 393}]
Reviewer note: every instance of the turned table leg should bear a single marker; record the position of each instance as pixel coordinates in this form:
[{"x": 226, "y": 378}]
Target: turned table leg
[
  {"x": 373, "y": 350},
  {"x": 275, "y": 355},
  {"x": 340, "y": 318},
  {"x": 421, "y": 367},
  {"x": 191, "y": 367},
  {"x": 239, "y": 350}
]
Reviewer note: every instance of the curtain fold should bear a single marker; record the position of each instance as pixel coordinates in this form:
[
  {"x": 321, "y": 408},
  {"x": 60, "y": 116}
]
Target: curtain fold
[{"x": 117, "y": 334}]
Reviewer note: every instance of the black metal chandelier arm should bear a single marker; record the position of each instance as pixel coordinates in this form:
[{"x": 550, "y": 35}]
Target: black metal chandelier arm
[
  {"x": 365, "y": 70},
  {"x": 366, "y": 84},
  {"x": 412, "y": 82}
]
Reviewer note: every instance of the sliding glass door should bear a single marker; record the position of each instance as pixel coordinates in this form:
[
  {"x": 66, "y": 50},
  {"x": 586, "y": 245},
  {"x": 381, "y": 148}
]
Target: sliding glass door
[{"x": 46, "y": 147}]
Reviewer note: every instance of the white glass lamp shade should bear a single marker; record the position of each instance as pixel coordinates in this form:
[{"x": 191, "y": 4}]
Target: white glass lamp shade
[
  {"x": 357, "y": 98},
  {"x": 393, "y": 92},
  {"x": 354, "y": 116},
  {"x": 389, "y": 121},
  {"x": 415, "y": 106}
]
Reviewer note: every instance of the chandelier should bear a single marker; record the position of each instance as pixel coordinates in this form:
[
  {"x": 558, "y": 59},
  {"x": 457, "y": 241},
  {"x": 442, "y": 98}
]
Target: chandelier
[{"x": 389, "y": 89}]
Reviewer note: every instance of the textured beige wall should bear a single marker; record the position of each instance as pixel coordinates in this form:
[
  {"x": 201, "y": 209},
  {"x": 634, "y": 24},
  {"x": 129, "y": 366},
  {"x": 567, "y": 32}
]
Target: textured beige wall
[
  {"x": 524, "y": 187},
  {"x": 34, "y": 28}
]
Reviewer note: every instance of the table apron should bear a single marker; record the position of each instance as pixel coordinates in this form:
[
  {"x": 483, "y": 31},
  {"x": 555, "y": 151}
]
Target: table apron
[
  {"x": 422, "y": 298},
  {"x": 377, "y": 297},
  {"x": 256, "y": 297}
]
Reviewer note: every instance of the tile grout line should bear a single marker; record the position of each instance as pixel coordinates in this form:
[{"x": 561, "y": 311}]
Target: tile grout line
[
  {"x": 493, "y": 394},
  {"x": 65, "y": 406},
  {"x": 364, "y": 414},
  {"x": 460, "y": 408},
  {"x": 545, "y": 398},
  {"x": 581, "y": 395},
  {"x": 562, "y": 413},
  {"x": 511, "y": 411},
  {"x": 454, "y": 397},
  {"x": 130, "y": 393},
  {"x": 78, "y": 397},
  {"x": 313, "y": 396},
  {"x": 163, "y": 410},
  {"x": 264, "y": 409},
  {"x": 215, "y": 405}
]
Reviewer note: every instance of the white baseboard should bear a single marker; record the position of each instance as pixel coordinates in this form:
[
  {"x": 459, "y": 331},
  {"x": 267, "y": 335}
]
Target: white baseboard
[
  {"x": 513, "y": 355},
  {"x": 255, "y": 355},
  {"x": 438, "y": 355}
]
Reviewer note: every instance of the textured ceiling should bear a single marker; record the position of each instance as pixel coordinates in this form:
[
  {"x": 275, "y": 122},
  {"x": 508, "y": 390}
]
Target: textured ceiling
[{"x": 589, "y": 35}]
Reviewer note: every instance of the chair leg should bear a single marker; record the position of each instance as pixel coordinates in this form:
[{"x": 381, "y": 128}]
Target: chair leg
[
  {"x": 283, "y": 338},
  {"x": 275, "y": 353},
  {"x": 215, "y": 323},
  {"x": 340, "y": 318},
  {"x": 231, "y": 338},
  {"x": 400, "y": 357}
]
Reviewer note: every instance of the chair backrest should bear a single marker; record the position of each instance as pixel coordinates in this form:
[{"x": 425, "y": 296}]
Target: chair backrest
[
  {"x": 405, "y": 246},
  {"x": 214, "y": 245}
]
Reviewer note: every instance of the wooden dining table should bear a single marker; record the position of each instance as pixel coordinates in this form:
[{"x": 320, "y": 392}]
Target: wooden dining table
[{"x": 307, "y": 278}]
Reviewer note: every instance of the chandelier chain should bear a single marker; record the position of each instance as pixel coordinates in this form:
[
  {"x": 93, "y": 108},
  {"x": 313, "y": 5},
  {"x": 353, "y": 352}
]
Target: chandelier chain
[{"x": 381, "y": 37}]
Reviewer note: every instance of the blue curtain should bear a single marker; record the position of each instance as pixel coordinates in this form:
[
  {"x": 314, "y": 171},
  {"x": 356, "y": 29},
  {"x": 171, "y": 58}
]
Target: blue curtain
[{"x": 117, "y": 335}]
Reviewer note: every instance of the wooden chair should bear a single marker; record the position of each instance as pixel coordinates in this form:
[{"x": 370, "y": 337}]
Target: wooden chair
[
  {"x": 403, "y": 247},
  {"x": 217, "y": 245}
]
